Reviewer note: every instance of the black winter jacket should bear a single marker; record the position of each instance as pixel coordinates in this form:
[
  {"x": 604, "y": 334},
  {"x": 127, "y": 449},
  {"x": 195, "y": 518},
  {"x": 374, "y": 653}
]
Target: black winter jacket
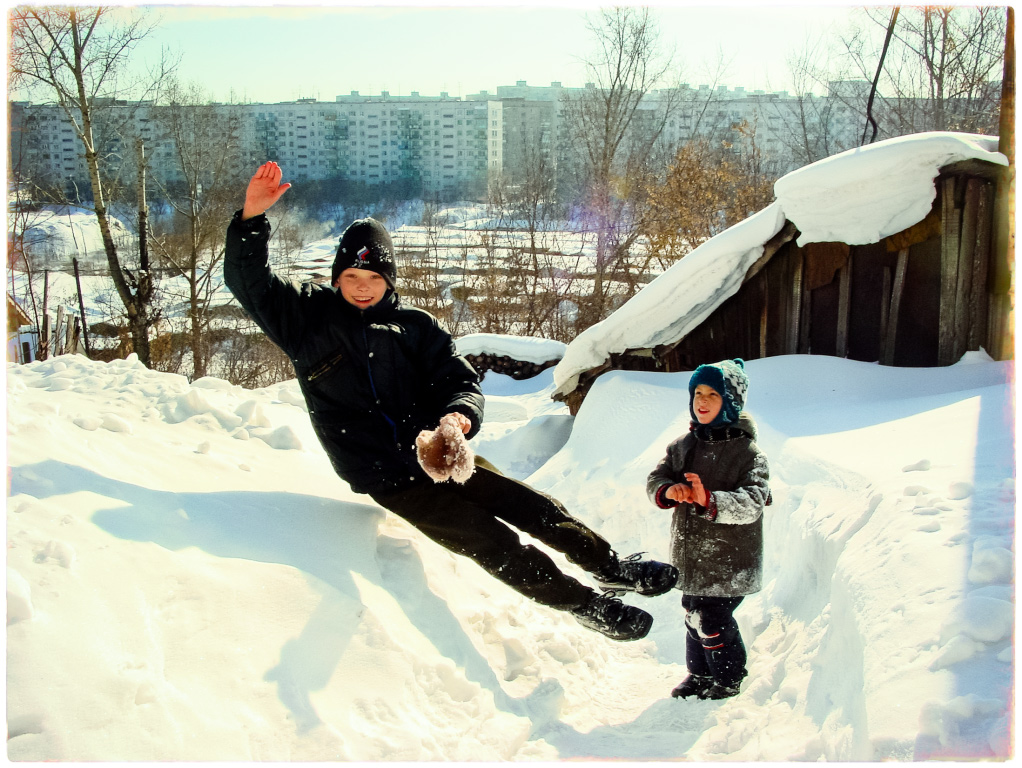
[
  {"x": 719, "y": 551},
  {"x": 372, "y": 379}
]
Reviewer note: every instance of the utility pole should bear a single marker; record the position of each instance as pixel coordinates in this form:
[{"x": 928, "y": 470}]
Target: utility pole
[{"x": 1002, "y": 285}]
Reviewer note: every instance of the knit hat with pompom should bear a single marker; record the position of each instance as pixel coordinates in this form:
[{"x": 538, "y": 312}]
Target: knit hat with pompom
[{"x": 729, "y": 379}]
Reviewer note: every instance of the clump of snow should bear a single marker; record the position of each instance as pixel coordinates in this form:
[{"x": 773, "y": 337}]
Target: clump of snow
[
  {"x": 527, "y": 349},
  {"x": 859, "y": 196},
  {"x": 241, "y": 604}
]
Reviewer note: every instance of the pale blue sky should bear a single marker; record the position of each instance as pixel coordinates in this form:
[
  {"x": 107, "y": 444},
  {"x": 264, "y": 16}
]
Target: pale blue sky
[{"x": 278, "y": 53}]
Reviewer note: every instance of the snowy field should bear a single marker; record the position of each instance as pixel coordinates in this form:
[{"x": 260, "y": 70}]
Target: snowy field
[
  {"x": 187, "y": 579},
  {"x": 464, "y": 239}
]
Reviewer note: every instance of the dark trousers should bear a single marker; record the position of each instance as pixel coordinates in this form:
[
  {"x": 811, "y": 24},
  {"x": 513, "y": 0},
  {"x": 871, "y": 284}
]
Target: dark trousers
[
  {"x": 471, "y": 520},
  {"x": 714, "y": 647}
]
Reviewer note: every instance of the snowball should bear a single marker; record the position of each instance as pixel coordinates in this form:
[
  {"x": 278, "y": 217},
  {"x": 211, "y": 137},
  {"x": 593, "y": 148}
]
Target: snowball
[
  {"x": 920, "y": 466},
  {"x": 56, "y": 383},
  {"x": 192, "y": 403},
  {"x": 116, "y": 424},
  {"x": 989, "y": 564},
  {"x": 60, "y": 551},
  {"x": 282, "y": 438},
  {"x": 88, "y": 423},
  {"x": 958, "y": 648},
  {"x": 959, "y": 490},
  {"x": 290, "y": 393},
  {"x": 209, "y": 382},
  {"x": 986, "y": 619},
  {"x": 251, "y": 413}
]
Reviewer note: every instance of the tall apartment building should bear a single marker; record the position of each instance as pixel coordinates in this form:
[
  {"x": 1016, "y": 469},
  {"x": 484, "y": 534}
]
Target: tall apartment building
[{"x": 438, "y": 144}]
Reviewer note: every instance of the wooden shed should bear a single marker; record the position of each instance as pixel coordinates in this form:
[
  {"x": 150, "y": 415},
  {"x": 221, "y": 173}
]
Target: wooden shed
[{"x": 920, "y": 297}]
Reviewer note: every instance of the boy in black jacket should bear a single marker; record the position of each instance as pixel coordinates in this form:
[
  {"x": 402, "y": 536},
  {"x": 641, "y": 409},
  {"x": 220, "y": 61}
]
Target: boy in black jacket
[{"x": 375, "y": 374}]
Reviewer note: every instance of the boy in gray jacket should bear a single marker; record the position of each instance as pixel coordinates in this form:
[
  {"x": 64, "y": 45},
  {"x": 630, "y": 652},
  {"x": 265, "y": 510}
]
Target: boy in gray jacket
[{"x": 715, "y": 478}]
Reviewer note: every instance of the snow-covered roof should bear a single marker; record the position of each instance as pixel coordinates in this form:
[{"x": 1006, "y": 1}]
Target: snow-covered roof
[
  {"x": 857, "y": 197},
  {"x": 527, "y": 349}
]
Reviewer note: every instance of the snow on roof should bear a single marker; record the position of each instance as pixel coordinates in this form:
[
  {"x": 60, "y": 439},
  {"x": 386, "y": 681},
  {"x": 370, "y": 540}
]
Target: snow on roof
[
  {"x": 527, "y": 349},
  {"x": 856, "y": 197},
  {"x": 866, "y": 194}
]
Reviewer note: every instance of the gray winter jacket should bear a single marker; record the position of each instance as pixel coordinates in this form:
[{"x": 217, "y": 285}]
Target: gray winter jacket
[{"x": 718, "y": 550}]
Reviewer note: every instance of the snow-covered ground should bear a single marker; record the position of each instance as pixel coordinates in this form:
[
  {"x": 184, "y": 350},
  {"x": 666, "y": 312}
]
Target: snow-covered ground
[{"x": 188, "y": 580}]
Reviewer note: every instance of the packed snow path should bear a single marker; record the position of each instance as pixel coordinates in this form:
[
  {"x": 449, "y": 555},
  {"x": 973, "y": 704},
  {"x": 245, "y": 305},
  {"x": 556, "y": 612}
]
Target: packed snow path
[{"x": 187, "y": 579}]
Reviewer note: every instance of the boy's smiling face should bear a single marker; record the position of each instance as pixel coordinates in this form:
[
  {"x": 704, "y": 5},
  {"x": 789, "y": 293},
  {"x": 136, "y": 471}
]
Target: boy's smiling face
[
  {"x": 706, "y": 403},
  {"x": 361, "y": 287}
]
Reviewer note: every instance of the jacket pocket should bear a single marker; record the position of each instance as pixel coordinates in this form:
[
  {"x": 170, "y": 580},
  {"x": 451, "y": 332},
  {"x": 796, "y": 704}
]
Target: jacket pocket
[{"x": 324, "y": 366}]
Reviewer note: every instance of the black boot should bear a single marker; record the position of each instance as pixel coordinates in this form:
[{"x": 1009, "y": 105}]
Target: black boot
[
  {"x": 644, "y": 577},
  {"x": 721, "y": 691},
  {"x": 611, "y": 617},
  {"x": 693, "y": 685}
]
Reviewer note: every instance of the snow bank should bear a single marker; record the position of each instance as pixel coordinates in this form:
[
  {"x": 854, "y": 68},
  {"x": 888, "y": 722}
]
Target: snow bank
[
  {"x": 527, "y": 349},
  {"x": 180, "y": 591}
]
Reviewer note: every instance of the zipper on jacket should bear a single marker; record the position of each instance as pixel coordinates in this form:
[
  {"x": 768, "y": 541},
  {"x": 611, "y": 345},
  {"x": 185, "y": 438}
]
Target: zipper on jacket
[
  {"x": 372, "y": 384},
  {"x": 324, "y": 367}
]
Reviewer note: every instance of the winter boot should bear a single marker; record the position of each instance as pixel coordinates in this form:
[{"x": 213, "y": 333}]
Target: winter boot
[
  {"x": 693, "y": 685},
  {"x": 644, "y": 577},
  {"x": 721, "y": 691},
  {"x": 611, "y": 617}
]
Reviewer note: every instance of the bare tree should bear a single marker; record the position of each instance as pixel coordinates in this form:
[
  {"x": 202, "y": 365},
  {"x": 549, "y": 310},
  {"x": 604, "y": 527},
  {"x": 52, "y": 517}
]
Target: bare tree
[
  {"x": 942, "y": 70},
  {"x": 615, "y": 132},
  {"x": 201, "y": 190},
  {"x": 75, "y": 54}
]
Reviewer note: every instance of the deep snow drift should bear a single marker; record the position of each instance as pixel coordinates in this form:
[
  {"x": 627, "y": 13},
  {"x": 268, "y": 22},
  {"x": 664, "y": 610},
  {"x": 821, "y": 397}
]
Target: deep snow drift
[{"x": 187, "y": 580}]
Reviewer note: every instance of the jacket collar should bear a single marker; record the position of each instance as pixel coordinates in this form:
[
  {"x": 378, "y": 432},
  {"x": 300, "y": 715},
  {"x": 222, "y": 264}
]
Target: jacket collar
[{"x": 745, "y": 427}]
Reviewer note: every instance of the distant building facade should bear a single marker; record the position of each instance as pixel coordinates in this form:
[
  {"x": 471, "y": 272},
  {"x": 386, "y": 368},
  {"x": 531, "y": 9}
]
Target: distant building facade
[{"x": 445, "y": 144}]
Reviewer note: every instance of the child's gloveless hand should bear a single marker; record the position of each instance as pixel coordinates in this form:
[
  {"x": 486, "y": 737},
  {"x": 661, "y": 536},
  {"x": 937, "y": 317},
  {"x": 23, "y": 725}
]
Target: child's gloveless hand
[
  {"x": 697, "y": 493},
  {"x": 692, "y": 492}
]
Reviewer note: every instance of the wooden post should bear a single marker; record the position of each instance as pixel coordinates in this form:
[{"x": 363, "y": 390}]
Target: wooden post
[
  {"x": 44, "y": 332},
  {"x": 844, "y": 305},
  {"x": 81, "y": 308},
  {"x": 978, "y": 302},
  {"x": 897, "y": 290},
  {"x": 805, "y": 321},
  {"x": 885, "y": 313},
  {"x": 966, "y": 255},
  {"x": 1001, "y": 335},
  {"x": 948, "y": 273},
  {"x": 57, "y": 332},
  {"x": 764, "y": 315},
  {"x": 796, "y": 303}
]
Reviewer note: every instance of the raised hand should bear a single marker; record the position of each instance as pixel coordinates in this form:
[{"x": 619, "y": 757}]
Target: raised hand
[{"x": 264, "y": 190}]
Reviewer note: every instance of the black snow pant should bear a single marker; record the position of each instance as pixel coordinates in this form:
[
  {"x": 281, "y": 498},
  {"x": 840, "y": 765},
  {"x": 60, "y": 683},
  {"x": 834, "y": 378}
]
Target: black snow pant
[
  {"x": 714, "y": 647},
  {"x": 471, "y": 520}
]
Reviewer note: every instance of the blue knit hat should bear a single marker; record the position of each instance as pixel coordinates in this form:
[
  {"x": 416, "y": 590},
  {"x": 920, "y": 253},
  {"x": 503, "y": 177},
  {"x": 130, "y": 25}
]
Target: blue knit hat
[{"x": 729, "y": 379}]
